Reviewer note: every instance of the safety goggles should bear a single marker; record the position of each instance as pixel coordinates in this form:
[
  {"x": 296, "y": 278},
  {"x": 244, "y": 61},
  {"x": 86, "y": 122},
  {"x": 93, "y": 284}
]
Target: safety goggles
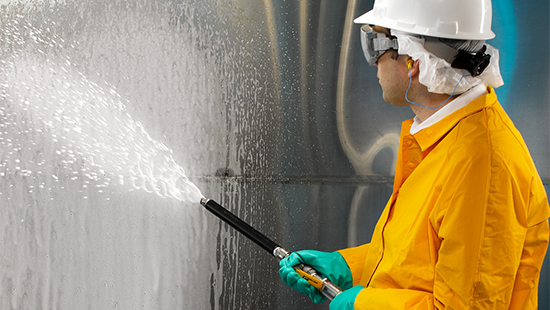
[{"x": 375, "y": 44}]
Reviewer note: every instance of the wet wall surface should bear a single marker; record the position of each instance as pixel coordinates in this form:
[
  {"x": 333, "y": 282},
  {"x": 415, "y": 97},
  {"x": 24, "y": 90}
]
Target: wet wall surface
[{"x": 267, "y": 106}]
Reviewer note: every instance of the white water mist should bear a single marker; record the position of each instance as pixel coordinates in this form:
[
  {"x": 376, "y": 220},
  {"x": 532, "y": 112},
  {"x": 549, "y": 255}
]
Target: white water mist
[
  {"x": 93, "y": 127},
  {"x": 94, "y": 95}
]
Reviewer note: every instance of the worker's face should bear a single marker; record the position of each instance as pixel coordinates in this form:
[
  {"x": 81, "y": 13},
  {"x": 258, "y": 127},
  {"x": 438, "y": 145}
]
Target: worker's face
[{"x": 393, "y": 74}]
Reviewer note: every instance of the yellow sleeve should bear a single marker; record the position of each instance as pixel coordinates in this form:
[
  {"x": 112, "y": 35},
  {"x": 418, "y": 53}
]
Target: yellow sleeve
[
  {"x": 490, "y": 227},
  {"x": 524, "y": 295},
  {"x": 355, "y": 258},
  {"x": 493, "y": 235},
  {"x": 393, "y": 299},
  {"x": 527, "y": 281}
]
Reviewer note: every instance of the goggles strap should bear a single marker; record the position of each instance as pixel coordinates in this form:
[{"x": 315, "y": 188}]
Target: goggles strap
[{"x": 382, "y": 43}]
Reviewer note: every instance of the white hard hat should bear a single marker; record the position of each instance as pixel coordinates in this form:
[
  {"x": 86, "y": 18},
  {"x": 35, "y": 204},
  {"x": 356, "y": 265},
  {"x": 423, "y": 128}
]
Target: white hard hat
[{"x": 452, "y": 19}]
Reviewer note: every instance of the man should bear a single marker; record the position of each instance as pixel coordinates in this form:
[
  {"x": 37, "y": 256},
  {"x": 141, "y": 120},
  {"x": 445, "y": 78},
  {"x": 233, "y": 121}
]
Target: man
[{"x": 467, "y": 224}]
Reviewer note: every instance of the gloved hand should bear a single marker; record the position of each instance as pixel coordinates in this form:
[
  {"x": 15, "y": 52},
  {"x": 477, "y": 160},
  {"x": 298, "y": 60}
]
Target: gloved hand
[
  {"x": 346, "y": 299},
  {"x": 328, "y": 264}
]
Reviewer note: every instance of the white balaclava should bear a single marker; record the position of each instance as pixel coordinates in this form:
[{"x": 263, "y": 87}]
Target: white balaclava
[{"x": 438, "y": 75}]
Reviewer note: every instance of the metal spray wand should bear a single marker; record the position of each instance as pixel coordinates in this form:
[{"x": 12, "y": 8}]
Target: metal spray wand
[{"x": 329, "y": 289}]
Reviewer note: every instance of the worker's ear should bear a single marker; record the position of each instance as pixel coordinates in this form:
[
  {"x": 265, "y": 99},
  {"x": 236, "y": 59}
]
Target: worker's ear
[{"x": 413, "y": 66}]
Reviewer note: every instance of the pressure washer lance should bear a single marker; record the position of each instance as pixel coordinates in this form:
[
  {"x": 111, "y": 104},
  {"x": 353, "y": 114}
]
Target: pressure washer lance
[{"x": 329, "y": 289}]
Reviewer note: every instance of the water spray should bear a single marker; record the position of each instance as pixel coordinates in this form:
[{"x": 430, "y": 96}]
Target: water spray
[{"x": 329, "y": 289}]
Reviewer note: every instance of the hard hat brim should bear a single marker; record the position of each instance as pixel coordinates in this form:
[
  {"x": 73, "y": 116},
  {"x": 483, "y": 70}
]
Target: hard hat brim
[
  {"x": 371, "y": 18},
  {"x": 364, "y": 19}
]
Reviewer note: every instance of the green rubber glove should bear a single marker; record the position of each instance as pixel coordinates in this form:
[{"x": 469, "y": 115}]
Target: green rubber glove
[
  {"x": 328, "y": 264},
  {"x": 346, "y": 299}
]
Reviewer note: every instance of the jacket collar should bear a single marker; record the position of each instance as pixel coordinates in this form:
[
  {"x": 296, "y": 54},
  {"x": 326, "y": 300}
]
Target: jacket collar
[{"x": 427, "y": 137}]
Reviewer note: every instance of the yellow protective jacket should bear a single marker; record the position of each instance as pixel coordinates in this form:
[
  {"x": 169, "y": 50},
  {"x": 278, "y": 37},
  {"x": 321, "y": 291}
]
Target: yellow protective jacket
[{"x": 467, "y": 224}]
